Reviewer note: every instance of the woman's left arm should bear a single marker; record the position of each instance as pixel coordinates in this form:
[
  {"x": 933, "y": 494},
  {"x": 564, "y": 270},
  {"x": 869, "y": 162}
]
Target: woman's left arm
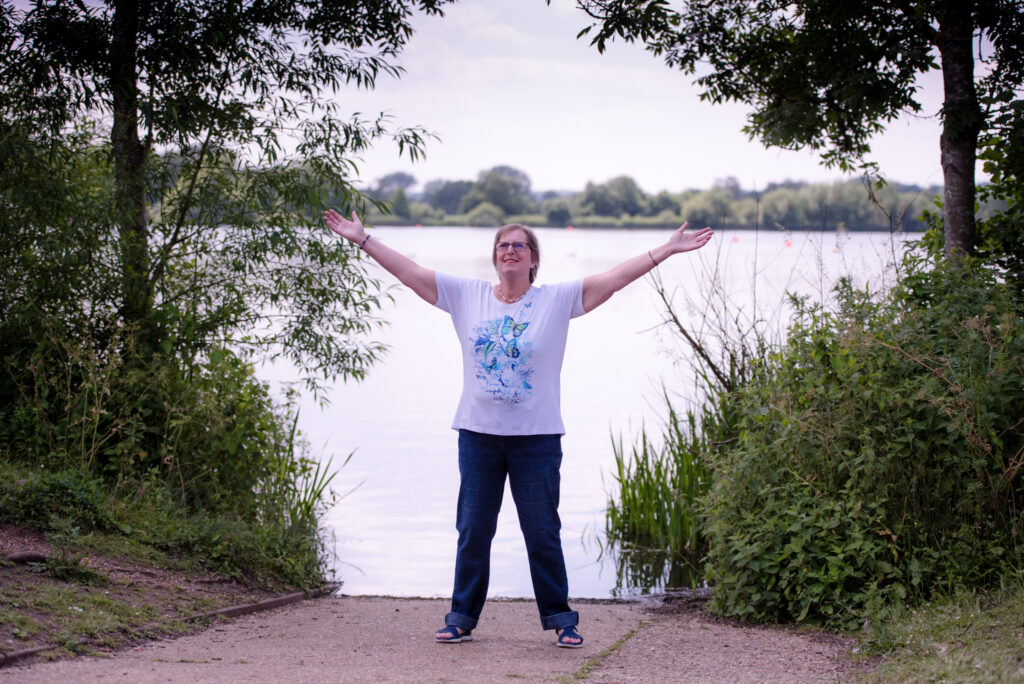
[{"x": 598, "y": 288}]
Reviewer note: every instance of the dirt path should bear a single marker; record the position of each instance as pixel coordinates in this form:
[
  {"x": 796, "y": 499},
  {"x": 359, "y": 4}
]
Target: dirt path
[{"x": 360, "y": 639}]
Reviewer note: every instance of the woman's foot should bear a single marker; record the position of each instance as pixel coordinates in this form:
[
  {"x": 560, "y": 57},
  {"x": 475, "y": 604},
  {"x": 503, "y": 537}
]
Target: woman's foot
[
  {"x": 451, "y": 634},
  {"x": 568, "y": 637}
]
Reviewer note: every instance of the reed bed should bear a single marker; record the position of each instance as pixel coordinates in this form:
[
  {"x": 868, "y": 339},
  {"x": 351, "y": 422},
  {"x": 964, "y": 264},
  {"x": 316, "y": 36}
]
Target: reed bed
[{"x": 653, "y": 518}]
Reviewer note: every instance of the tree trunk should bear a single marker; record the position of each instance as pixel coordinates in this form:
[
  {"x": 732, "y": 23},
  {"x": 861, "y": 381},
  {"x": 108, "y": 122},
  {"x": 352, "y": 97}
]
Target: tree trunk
[
  {"x": 961, "y": 124},
  {"x": 129, "y": 166}
]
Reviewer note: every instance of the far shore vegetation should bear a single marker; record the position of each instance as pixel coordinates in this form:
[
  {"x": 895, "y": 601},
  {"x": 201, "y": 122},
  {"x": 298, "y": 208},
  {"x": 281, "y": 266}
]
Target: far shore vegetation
[{"x": 503, "y": 194}]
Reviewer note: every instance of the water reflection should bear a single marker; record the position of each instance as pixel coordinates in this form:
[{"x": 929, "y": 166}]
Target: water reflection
[{"x": 642, "y": 571}]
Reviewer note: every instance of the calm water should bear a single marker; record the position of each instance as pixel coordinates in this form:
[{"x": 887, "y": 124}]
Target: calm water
[{"x": 395, "y": 531}]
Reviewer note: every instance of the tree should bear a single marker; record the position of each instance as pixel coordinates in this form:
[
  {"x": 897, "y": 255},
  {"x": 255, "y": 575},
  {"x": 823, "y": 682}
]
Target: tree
[
  {"x": 400, "y": 203},
  {"x": 1002, "y": 149},
  {"x": 389, "y": 184},
  {"x": 709, "y": 207},
  {"x": 663, "y": 202},
  {"x": 513, "y": 174},
  {"x": 620, "y": 195},
  {"x": 829, "y": 76},
  {"x": 731, "y": 184},
  {"x": 556, "y": 210},
  {"x": 223, "y": 150},
  {"x": 502, "y": 186},
  {"x": 447, "y": 195},
  {"x": 485, "y": 214}
]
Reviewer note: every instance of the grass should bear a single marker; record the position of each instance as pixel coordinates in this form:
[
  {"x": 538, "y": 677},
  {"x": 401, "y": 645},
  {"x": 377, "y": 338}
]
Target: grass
[
  {"x": 121, "y": 593},
  {"x": 97, "y": 543},
  {"x": 71, "y": 616},
  {"x": 969, "y": 636}
]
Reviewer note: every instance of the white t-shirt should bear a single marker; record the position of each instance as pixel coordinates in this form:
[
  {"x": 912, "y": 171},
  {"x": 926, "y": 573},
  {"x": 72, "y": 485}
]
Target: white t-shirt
[{"x": 511, "y": 354}]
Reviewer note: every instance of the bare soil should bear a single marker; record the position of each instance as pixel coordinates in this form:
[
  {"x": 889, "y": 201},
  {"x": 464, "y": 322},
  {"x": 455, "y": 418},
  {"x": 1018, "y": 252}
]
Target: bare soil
[{"x": 130, "y": 602}]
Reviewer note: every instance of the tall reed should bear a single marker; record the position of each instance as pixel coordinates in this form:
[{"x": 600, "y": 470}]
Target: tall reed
[{"x": 654, "y": 522}]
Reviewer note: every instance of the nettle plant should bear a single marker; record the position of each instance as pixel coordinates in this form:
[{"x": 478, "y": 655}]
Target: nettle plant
[{"x": 879, "y": 455}]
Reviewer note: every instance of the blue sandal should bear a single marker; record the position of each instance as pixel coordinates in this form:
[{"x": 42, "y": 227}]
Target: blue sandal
[
  {"x": 455, "y": 636},
  {"x": 569, "y": 633}
]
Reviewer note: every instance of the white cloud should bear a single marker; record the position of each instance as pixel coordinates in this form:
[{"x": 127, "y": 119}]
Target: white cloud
[{"x": 507, "y": 82}]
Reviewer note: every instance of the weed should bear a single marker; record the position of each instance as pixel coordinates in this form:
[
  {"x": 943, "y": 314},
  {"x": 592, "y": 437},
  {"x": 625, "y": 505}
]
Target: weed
[{"x": 969, "y": 635}]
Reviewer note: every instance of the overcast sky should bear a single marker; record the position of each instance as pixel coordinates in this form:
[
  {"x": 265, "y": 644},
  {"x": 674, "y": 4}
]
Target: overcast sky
[{"x": 507, "y": 82}]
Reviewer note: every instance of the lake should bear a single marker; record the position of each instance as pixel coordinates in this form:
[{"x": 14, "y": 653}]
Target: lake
[{"x": 394, "y": 529}]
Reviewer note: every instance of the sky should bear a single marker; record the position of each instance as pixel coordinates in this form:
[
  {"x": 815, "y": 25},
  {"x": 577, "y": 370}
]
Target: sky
[{"x": 506, "y": 82}]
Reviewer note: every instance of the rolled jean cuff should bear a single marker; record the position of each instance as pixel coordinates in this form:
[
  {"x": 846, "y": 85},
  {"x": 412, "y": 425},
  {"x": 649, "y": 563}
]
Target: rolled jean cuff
[
  {"x": 561, "y": 621},
  {"x": 460, "y": 621}
]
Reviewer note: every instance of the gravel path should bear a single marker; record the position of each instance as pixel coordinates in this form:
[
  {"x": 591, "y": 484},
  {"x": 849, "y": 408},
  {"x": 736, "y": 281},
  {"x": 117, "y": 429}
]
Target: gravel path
[{"x": 361, "y": 639}]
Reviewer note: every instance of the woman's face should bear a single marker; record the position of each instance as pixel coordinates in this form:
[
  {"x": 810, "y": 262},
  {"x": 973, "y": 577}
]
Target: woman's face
[{"x": 511, "y": 261}]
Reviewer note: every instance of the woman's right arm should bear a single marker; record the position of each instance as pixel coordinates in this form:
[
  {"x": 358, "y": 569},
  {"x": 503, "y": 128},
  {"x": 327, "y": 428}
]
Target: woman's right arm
[{"x": 420, "y": 280}]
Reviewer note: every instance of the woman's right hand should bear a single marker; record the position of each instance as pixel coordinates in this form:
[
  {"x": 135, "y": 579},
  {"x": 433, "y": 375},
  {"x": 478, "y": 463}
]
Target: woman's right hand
[
  {"x": 350, "y": 230},
  {"x": 420, "y": 280}
]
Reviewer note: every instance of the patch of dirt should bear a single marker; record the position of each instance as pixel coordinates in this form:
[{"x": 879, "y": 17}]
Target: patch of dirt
[
  {"x": 115, "y": 602},
  {"x": 15, "y": 539}
]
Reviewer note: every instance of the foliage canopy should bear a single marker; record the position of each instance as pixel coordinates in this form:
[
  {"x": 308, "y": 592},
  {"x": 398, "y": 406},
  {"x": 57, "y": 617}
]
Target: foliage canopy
[
  {"x": 222, "y": 149},
  {"x": 828, "y": 76},
  {"x": 163, "y": 168}
]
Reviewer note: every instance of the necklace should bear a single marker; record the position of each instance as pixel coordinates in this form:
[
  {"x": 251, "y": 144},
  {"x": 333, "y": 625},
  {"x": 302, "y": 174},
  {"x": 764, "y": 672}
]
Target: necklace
[{"x": 511, "y": 301}]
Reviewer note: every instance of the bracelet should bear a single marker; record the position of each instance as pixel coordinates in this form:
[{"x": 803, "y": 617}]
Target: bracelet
[
  {"x": 653, "y": 260},
  {"x": 365, "y": 240}
]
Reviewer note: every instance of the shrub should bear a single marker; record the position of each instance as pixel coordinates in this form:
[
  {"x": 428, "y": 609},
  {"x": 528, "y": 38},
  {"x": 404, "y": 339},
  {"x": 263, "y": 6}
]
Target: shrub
[
  {"x": 485, "y": 215},
  {"x": 191, "y": 457},
  {"x": 532, "y": 220},
  {"x": 877, "y": 456},
  {"x": 557, "y": 212},
  {"x": 48, "y": 500}
]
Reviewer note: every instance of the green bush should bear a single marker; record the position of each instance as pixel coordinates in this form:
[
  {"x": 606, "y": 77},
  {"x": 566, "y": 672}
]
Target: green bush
[
  {"x": 655, "y": 518},
  {"x": 594, "y": 221},
  {"x": 282, "y": 545},
  {"x": 44, "y": 499},
  {"x": 532, "y": 220},
  {"x": 485, "y": 214},
  {"x": 877, "y": 456},
  {"x": 188, "y": 457}
]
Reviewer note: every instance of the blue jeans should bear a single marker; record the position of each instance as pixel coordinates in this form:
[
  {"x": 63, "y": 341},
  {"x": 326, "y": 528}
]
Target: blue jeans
[{"x": 531, "y": 463}]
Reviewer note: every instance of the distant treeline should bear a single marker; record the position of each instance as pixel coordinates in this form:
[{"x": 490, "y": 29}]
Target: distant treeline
[{"x": 503, "y": 195}]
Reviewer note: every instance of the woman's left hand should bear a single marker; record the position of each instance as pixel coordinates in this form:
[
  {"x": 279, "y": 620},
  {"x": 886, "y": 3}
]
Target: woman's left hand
[{"x": 684, "y": 241}]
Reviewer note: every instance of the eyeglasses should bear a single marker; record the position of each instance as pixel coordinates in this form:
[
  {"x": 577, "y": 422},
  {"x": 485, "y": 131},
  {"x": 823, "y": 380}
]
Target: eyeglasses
[{"x": 518, "y": 246}]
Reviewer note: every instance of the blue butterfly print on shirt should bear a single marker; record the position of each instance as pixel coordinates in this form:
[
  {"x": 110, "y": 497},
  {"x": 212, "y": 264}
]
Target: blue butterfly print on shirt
[
  {"x": 510, "y": 326},
  {"x": 503, "y": 354}
]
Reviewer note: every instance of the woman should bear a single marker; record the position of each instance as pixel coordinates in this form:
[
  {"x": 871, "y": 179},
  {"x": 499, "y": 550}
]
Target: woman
[{"x": 509, "y": 421}]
